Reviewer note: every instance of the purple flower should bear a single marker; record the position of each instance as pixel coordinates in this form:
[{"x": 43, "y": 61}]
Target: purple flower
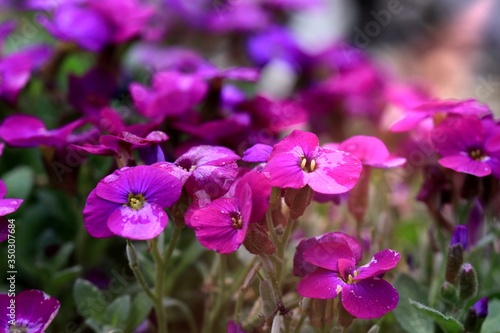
[
  {"x": 469, "y": 145},
  {"x": 481, "y": 307},
  {"x": 257, "y": 153},
  {"x": 130, "y": 203},
  {"x": 233, "y": 327},
  {"x": 22, "y": 130},
  {"x": 222, "y": 225},
  {"x": 459, "y": 236},
  {"x": 298, "y": 160},
  {"x": 7, "y": 206},
  {"x": 32, "y": 310},
  {"x": 362, "y": 292}
]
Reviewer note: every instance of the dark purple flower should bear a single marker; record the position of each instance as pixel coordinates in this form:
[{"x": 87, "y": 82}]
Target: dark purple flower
[
  {"x": 130, "y": 203},
  {"x": 481, "y": 307},
  {"x": 91, "y": 92},
  {"x": 468, "y": 144},
  {"x": 22, "y": 130},
  {"x": 459, "y": 236},
  {"x": 362, "y": 292},
  {"x": 30, "y": 311},
  {"x": 297, "y": 161},
  {"x": 222, "y": 225}
]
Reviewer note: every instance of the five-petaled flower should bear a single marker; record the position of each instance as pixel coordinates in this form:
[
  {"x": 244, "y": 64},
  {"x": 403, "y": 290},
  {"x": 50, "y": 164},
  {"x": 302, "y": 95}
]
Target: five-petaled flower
[
  {"x": 130, "y": 203},
  {"x": 332, "y": 271}
]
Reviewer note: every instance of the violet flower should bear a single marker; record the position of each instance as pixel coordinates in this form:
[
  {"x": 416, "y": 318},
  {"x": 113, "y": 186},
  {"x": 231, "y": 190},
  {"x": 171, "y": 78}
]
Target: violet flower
[
  {"x": 130, "y": 203},
  {"x": 362, "y": 292},
  {"x": 33, "y": 311},
  {"x": 469, "y": 145},
  {"x": 298, "y": 160},
  {"x": 7, "y": 206},
  {"x": 221, "y": 225}
]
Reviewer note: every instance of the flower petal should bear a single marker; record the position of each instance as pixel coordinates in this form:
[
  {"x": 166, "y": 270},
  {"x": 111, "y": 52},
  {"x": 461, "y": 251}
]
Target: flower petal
[
  {"x": 370, "y": 298},
  {"x": 115, "y": 187},
  {"x": 257, "y": 153},
  {"x": 381, "y": 262},
  {"x": 8, "y": 206},
  {"x": 336, "y": 172},
  {"x": 142, "y": 224},
  {"x": 321, "y": 283},
  {"x": 36, "y": 308},
  {"x": 465, "y": 164},
  {"x": 285, "y": 171},
  {"x": 327, "y": 255},
  {"x": 96, "y": 214}
]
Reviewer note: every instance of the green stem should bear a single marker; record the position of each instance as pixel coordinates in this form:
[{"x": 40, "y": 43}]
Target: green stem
[
  {"x": 159, "y": 279},
  {"x": 302, "y": 318},
  {"x": 171, "y": 248},
  {"x": 281, "y": 250},
  {"x": 220, "y": 299},
  {"x": 270, "y": 226},
  {"x": 134, "y": 266},
  {"x": 248, "y": 276}
]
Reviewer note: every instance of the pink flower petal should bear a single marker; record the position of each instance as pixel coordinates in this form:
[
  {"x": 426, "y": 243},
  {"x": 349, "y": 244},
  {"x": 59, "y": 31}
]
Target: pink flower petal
[
  {"x": 257, "y": 153},
  {"x": 321, "y": 283},
  {"x": 368, "y": 299},
  {"x": 336, "y": 172},
  {"x": 142, "y": 224},
  {"x": 465, "y": 164},
  {"x": 381, "y": 262},
  {"x": 285, "y": 171},
  {"x": 96, "y": 214},
  {"x": 8, "y": 206},
  {"x": 327, "y": 255},
  {"x": 308, "y": 143},
  {"x": 115, "y": 187},
  {"x": 36, "y": 308}
]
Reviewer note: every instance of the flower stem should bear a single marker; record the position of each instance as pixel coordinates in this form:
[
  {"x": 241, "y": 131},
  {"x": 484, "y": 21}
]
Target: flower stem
[
  {"x": 134, "y": 266},
  {"x": 159, "y": 279}
]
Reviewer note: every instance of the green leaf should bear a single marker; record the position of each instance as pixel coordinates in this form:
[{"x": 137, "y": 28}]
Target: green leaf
[
  {"x": 64, "y": 276},
  {"x": 411, "y": 320},
  {"x": 492, "y": 322},
  {"x": 62, "y": 256},
  {"x": 118, "y": 311},
  {"x": 141, "y": 306},
  {"x": 89, "y": 300},
  {"x": 19, "y": 182},
  {"x": 447, "y": 323}
]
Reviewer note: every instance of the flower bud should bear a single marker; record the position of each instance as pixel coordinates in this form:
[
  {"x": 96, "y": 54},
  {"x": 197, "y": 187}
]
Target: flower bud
[
  {"x": 454, "y": 260},
  {"x": 467, "y": 282},
  {"x": 374, "y": 329},
  {"x": 476, "y": 315},
  {"x": 460, "y": 236},
  {"x": 131, "y": 255},
  {"x": 345, "y": 318},
  {"x": 298, "y": 200},
  {"x": 449, "y": 293}
]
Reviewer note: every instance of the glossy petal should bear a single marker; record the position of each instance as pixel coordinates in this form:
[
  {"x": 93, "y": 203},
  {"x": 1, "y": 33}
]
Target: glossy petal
[
  {"x": 284, "y": 169},
  {"x": 142, "y": 224},
  {"x": 8, "y": 206},
  {"x": 96, "y": 214},
  {"x": 306, "y": 141},
  {"x": 36, "y": 308},
  {"x": 327, "y": 255},
  {"x": 463, "y": 163},
  {"x": 380, "y": 263},
  {"x": 336, "y": 172},
  {"x": 257, "y": 153},
  {"x": 370, "y": 298},
  {"x": 321, "y": 283},
  {"x": 370, "y": 151}
]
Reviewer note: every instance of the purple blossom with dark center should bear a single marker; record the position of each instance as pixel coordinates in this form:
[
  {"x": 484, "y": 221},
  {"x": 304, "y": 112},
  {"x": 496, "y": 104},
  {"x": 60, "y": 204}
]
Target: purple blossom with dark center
[
  {"x": 362, "y": 292},
  {"x": 130, "y": 203},
  {"x": 221, "y": 225},
  {"x": 298, "y": 160},
  {"x": 468, "y": 144},
  {"x": 30, "y": 311},
  {"x": 22, "y": 130}
]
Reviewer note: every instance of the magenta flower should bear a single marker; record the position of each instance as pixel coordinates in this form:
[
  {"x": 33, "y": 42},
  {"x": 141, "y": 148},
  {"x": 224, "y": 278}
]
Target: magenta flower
[
  {"x": 130, "y": 203},
  {"x": 298, "y": 160},
  {"x": 7, "y": 206},
  {"x": 22, "y": 130},
  {"x": 30, "y": 311},
  {"x": 469, "y": 145},
  {"x": 362, "y": 292},
  {"x": 222, "y": 225}
]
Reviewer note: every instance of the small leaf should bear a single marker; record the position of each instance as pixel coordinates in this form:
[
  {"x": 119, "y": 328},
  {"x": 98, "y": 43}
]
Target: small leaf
[
  {"x": 19, "y": 182},
  {"x": 118, "y": 311},
  {"x": 268, "y": 298},
  {"x": 407, "y": 317},
  {"x": 89, "y": 300},
  {"x": 447, "y": 323},
  {"x": 64, "y": 276},
  {"x": 62, "y": 256},
  {"x": 141, "y": 306},
  {"x": 492, "y": 321}
]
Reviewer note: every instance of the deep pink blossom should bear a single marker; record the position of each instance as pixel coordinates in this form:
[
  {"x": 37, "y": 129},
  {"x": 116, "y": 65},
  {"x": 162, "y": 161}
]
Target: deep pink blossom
[
  {"x": 221, "y": 225},
  {"x": 468, "y": 144},
  {"x": 362, "y": 292},
  {"x": 33, "y": 311},
  {"x": 7, "y": 206},
  {"x": 130, "y": 203},
  {"x": 298, "y": 160}
]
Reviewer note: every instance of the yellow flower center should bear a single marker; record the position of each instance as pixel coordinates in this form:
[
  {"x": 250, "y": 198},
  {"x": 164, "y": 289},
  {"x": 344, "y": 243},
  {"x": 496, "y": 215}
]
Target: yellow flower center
[
  {"x": 17, "y": 329},
  {"x": 136, "y": 201},
  {"x": 308, "y": 165},
  {"x": 477, "y": 154}
]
